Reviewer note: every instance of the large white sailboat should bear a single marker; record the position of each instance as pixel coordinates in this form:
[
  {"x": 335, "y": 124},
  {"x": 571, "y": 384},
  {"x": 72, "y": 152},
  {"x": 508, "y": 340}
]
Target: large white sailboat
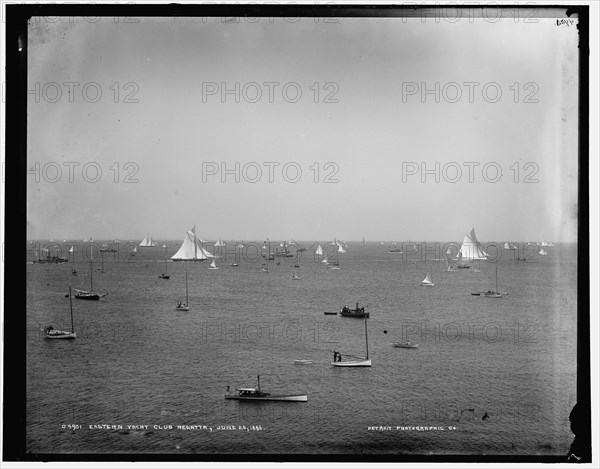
[
  {"x": 470, "y": 250},
  {"x": 357, "y": 361},
  {"x": 148, "y": 242},
  {"x": 191, "y": 249}
]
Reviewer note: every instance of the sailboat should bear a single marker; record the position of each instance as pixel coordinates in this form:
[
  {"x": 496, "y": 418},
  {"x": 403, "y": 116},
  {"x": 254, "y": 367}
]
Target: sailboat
[
  {"x": 543, "y": 252},
  {"x": 165, "y": 275},
  {"x": 364, "y": 243},
  {"x": 235, "y": 260},
  {"x": 52, "y": 333},
  {"x": 180, "y": 305},
  {"x": 191, "y": 249},
  {"x": 470, "y": 250},
  {"x": 91, "y": 294},
  {"x": 359, "y": 361},
  {"x": 427, "y": 281},
  {"x": 319, "y": 252},
  {"x": 148, "y": 242},
  {"x": 213, "y": 265},
  {"x": 101, "y": 269},
  {"x": 490, "y": 293},
  {"x": 134, "y": 252}
]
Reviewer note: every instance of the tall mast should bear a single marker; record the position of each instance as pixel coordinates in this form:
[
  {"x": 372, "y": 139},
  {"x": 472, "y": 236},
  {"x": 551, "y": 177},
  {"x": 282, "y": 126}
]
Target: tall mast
[
  {"x": 367, "y": 337},
  {"x": 258, "y": 376},
  {"x": 91, "y": 269},
  {"x": 71, "y": 303},
  {"x": 496, "y": 278},
  {"x": 166, "y": 268},
  {"x": 186, "y": 290}
]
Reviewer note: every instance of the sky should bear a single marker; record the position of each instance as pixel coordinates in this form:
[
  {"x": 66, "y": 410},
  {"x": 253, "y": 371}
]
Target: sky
[{"x": 332, "y": 114}]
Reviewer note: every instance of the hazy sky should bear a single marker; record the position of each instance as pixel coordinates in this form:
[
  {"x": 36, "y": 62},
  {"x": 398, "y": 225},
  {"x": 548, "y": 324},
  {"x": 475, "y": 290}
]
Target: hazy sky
[{"x": 374, "y": 131}]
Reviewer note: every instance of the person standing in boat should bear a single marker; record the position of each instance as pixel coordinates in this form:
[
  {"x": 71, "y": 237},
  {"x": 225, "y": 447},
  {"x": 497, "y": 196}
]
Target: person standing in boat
[
  {"x": 335, "y": 354},
  {"x": 339, "y": 357}
]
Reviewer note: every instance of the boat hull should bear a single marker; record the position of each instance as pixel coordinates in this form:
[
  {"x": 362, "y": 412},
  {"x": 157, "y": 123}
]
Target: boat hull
[
  {"x": 399, "y": 345},
  {"x": 298, "y": 398},
  {"x": 87, "y": 297},
  {"x": 61, "y": 335},
  {"x": 352, "y": 364}
]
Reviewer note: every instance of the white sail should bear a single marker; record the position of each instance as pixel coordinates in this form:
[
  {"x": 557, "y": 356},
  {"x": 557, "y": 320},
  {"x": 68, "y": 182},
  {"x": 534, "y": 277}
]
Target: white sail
[
  {"x": 72, "y": 249},
  {"x": 543, "y": 252},
  {"x": 148, "y": 242},
  {"x": 191, "y": 249},
  {"x": 325, "y": 261},
  {"x": 341, "y": 249},
  {"x": 471, "y": 249},
  {"x": 319, "y": 251},
  {"x": 213, "y": 265},
  {"x": 220, "y": 243},
  {"x": 427, "y": 280}
]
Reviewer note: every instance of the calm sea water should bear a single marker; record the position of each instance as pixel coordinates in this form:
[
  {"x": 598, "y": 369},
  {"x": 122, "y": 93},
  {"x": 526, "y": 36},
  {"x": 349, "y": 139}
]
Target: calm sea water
[{"x": 498, "y": 375}]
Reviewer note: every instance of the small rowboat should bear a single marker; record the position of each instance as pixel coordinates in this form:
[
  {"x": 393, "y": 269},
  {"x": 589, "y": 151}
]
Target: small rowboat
[
  {"x": 255, "y": 394},
  {"x": 405, "y": 345},
  {"x": 303, "y": 362},
  {"x": 329, "y": 312}
]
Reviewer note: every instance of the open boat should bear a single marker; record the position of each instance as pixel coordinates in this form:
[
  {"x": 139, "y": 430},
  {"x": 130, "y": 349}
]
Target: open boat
[
  {"x": 358, "y": 361},
  {"x": 52, "y": 333},
  {"x": 354, "y": 313},
  {"x": 427, "y": 281},
  {"x": 256, "y": 394},
  {"x": 181, "y": 306},
  {"x": 165, "y": 275},
  {"x": 406, "y": 344},
  {"x": 303, "y": 362}
]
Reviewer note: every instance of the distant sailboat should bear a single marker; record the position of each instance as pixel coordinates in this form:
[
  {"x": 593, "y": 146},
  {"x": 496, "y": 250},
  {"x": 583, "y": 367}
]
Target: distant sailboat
[
  {"x": 165, "y": 275},
  {"x": 213, "y": 265},
  {"x": 319, "y": 252},
  {"x": 358, "y": 361},
  {"x": 427, "y": 281},
  {"x": 52, "y": 333},
  {"x": 148, "y": 242},
  {"x": 543, "y": 252},
  {"x": 470, "y": 250},
  {"x": 364, "y": 242},
  {"x": 181, "y": 306}
]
